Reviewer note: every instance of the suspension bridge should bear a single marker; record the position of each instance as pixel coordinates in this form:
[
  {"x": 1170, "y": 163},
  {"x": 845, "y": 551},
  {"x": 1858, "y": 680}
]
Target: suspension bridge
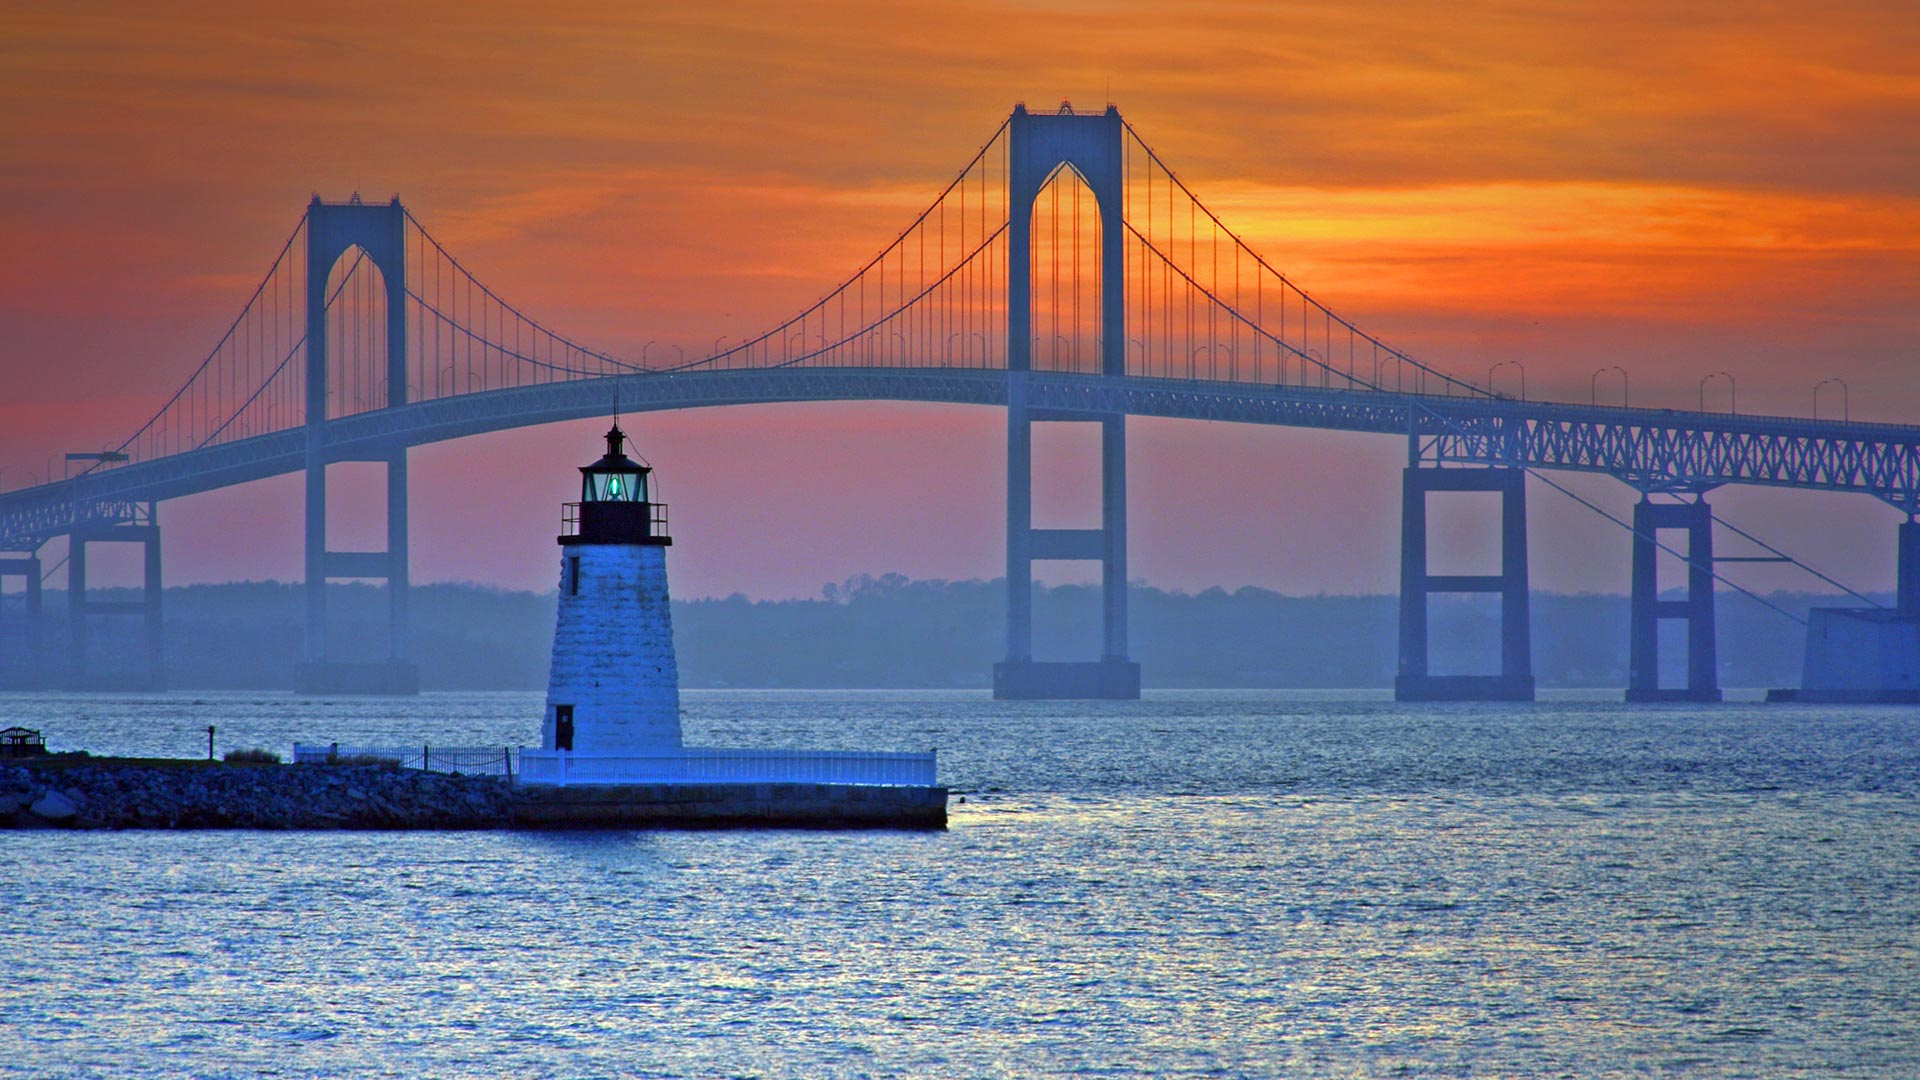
[{"x": 1067, "y": 275}]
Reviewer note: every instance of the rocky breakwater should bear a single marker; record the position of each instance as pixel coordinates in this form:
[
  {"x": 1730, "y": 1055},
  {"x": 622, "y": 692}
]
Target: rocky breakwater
[{"x": 73, "y": 791}]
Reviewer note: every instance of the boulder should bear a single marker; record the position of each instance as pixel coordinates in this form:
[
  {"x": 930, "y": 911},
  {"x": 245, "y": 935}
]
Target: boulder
[{"x": 54, "y": 806}]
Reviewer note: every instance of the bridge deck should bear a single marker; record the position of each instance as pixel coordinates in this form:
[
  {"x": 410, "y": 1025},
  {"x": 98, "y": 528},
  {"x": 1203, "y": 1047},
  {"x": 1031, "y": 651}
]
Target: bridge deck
[{"x": 1652, "y": 448}]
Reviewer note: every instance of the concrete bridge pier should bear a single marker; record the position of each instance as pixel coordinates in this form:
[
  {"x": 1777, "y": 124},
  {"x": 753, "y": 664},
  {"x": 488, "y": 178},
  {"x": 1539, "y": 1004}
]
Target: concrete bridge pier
[
  {"x": 1907, "y": 569},
  {"x": 1020, "y": 676},
  {"x": 22, "y": 664},
  {"x": 1415, "y": 681},
  {"x": 320, "y": 673},
  {"x": 148, "y": 672},
  {"x": 1867, "y": 655},
  {"x": 1643, "y": 635}
]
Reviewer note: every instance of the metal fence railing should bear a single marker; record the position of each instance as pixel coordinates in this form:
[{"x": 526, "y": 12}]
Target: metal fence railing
[{"x": 466, "y": 760}]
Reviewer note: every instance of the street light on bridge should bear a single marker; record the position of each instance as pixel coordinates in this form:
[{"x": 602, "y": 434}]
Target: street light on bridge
[
  {"x": 1593, "y": 384},
  {"x": 1509, "y": 363},
  {"x": 1733, "y": 392},
  {"x": 1845, "y": 408}
]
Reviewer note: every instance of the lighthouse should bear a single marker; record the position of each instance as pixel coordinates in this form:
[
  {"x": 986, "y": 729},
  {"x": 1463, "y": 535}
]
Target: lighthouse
[
  {"x": 613, "y": 687},
  {"x": 611, "y": 754}
]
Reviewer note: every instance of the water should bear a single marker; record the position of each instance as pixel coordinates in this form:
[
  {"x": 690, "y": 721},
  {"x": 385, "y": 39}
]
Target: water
[{"x": 1193, "y": 885}]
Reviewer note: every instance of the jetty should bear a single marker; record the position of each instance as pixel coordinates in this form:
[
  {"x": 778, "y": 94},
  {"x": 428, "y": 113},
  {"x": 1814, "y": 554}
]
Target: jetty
[{"x": 376, "y": 791}]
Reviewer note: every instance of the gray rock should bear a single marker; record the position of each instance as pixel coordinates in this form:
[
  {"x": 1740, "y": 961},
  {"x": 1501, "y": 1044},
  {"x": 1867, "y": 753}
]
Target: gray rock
[{"x": 54, "y": 806}]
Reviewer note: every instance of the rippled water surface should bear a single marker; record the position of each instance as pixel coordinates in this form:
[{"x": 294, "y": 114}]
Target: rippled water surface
[{"x": 1196, "y": 884}]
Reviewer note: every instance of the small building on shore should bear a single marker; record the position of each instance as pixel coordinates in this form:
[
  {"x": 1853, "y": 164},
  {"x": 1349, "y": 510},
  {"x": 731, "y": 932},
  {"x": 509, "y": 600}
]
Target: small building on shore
[
  {"x": 18, "y": 742},
  {"x": 611, "y": 746}
]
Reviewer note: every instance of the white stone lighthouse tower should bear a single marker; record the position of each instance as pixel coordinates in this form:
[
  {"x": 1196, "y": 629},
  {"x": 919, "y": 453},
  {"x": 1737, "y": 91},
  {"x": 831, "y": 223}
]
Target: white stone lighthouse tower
[{"x": 614, "y": 687}]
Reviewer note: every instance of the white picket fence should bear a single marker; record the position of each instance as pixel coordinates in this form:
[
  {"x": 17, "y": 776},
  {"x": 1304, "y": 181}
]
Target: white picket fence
[{"x": 736, "y": 766}]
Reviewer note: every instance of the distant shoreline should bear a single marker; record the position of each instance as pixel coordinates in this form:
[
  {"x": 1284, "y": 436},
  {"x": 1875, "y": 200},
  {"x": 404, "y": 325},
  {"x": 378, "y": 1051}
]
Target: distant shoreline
[{"x": 890, "y": 632}]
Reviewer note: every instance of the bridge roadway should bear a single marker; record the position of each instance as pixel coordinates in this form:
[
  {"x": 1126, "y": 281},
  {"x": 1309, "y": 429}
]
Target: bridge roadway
[{"x": 1653, "y": 449}]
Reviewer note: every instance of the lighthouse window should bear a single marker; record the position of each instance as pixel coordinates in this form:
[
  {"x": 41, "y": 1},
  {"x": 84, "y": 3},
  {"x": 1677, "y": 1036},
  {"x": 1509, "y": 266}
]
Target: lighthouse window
[
  {"x": 573, "y": 575},
  {"x": 614, "y": 487}
]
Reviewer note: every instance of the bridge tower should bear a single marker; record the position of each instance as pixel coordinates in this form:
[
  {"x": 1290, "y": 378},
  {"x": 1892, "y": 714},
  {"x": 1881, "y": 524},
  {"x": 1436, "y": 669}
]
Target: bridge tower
[
  {"x": 141, "y": 526},
  {"x": 1643, "y": 634},
  {"x": 1038, "y": 146},
  {"x": 1416, "y": 681},
  {"x": 333, "y": 229}
]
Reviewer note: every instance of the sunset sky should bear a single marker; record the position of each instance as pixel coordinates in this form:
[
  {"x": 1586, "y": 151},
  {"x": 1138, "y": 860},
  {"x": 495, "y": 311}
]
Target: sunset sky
[{"x": 1676, "y": 188}]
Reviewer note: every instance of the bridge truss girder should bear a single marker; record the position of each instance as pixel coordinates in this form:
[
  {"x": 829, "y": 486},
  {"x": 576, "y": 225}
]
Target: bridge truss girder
[{"x": 1640, "y": 446}]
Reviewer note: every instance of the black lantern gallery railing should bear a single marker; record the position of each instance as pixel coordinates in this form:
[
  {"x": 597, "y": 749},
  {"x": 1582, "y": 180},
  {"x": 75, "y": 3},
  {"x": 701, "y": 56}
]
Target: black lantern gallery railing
[{"x": 613, "y": 522}]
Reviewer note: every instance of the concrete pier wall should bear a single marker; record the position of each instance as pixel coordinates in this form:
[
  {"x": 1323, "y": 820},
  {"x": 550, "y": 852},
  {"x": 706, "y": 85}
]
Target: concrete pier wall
[
  {"x": 716, "y": 806},
  {"x": 71, "y": 791}
]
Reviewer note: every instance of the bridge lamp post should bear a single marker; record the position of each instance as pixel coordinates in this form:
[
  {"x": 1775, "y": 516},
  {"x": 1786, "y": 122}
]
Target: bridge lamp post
[
  {"x": 948, "y": 359},
  {"x": 1733, "y": 392},
  {"x": 1846, "y": 411},
  {"x": 1593, "y": 385},
  {"x": 1522, "y": 368},
  {"x": 983, "y": 347},
  {"x": 643, "y": 352}
]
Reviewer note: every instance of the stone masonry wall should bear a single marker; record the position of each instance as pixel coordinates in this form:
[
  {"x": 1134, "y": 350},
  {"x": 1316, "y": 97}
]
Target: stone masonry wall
[{"x": 613, "y": 657}]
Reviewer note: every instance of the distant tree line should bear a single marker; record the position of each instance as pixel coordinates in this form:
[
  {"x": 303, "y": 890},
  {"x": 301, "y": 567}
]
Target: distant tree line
[{"x": 890, "y": 631}]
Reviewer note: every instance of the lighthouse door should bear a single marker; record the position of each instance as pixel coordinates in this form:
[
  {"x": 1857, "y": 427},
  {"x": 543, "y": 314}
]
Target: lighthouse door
[{"x": 563, "y": 727}]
